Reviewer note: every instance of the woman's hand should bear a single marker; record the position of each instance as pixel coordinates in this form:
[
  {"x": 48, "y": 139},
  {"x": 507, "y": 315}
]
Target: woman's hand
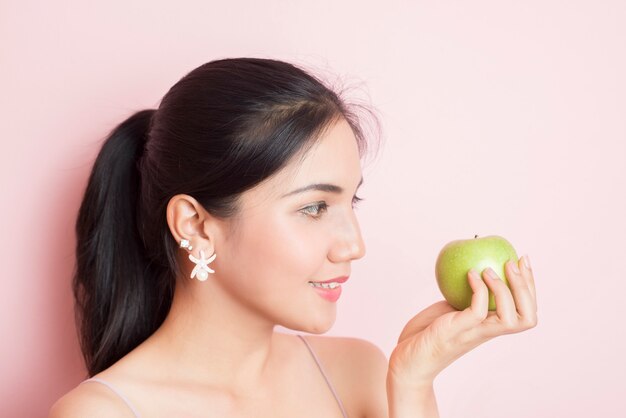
[{"x": 440, "y": 334}]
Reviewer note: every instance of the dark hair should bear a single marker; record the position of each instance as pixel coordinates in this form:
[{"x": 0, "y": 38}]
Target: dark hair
[{"x": 220, "y": 130}]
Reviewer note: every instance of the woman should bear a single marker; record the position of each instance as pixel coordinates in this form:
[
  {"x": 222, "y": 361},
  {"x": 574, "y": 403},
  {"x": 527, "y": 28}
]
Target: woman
[{"x": 210, "y": 220}]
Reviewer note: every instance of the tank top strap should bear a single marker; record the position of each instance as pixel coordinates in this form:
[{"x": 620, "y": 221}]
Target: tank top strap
[
  {"x": 319, "y": 365},
  {"x": 116, "y": 391}
]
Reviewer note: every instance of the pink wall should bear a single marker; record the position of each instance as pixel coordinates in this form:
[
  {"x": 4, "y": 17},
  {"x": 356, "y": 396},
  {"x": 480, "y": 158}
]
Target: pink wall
[{"x": 500, "y": 117}]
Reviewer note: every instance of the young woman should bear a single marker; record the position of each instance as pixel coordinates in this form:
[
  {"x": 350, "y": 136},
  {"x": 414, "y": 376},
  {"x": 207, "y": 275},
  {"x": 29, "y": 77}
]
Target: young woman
[{"x": 212, "y": 219}]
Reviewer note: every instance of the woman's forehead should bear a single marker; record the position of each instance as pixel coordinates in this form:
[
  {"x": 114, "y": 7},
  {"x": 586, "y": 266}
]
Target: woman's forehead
[{"x": 334, "y": 159}]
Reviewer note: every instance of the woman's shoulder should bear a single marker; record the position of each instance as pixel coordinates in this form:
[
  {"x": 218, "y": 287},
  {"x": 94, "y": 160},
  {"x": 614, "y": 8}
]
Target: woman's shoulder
[
  {"x": 350, "y": 355},
  {"x": 357, "y": 349},
  {"x": 358, "y": 369},
  {"x": 89, "y": 400}
]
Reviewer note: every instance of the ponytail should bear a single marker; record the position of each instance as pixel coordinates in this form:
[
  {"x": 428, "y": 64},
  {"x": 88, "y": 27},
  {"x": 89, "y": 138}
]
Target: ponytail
[{"x": 117, "y": 304}]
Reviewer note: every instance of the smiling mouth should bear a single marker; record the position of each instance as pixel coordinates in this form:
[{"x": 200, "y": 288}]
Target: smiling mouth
[
  {"x": 330, "y": 285},
  {"x": 339, "y": 280}
]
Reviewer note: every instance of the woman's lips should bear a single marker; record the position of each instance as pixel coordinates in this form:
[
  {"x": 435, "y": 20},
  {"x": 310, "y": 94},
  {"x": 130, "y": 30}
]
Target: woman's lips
[
  {"x": 340, "y": 279},
  {"x": 330, "y": 295}
]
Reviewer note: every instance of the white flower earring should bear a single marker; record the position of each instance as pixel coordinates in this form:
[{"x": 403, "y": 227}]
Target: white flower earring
[{"x": 201, "y": 269}]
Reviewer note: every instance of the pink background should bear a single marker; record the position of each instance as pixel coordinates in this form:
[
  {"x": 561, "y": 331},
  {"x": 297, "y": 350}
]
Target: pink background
[{"x": 499, "y": 117}]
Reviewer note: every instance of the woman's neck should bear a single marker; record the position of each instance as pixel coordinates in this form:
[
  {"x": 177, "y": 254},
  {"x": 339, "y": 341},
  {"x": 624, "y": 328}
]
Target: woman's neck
[{"x": 209, "y": 338}]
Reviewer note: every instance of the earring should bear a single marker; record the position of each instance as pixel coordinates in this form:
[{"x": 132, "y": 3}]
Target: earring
[
  {"x": 184, "y": 243},
  {"x": 202, "y": 269}
]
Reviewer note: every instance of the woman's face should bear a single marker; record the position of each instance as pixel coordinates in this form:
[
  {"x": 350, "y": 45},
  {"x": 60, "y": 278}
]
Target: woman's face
[{"x": 283, "y": 240}]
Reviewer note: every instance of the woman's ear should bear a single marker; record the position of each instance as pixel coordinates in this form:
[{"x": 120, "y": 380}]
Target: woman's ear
[{"x": 187, "y": 219}]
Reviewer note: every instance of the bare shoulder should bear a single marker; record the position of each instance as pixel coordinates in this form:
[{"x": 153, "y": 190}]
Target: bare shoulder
[
  {"x": 90, "y": 400},
  {"x": 359, "y": 367},
  {"x": 355, "y": 350}
]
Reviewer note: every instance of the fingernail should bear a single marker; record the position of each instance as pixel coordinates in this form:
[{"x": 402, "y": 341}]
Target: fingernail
[
  {"x": 526, "y": 262},
  {"x": 515, "y": 268},
  {"x": 492, "y": 274}
]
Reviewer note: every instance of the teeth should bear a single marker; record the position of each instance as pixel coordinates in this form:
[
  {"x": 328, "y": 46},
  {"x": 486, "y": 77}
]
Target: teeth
[{"x": 331, "y": 285}]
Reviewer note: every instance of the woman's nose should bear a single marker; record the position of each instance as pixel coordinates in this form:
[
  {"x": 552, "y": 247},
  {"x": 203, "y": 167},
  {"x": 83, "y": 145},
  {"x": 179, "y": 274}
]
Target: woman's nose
[{"x": 350, "y": 244}]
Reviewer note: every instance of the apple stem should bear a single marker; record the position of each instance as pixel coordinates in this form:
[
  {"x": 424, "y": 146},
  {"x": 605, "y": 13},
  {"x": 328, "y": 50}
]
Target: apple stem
[{"x": 475, "y": 236}]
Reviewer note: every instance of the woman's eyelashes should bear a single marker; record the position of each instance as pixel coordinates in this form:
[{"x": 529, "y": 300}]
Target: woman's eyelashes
[
  {"x": 315, "y": 211},
  {"x": 356, "y": 200}
]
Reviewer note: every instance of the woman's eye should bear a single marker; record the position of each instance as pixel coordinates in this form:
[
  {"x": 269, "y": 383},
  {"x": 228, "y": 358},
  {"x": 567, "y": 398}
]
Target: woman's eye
[
  {"x": 315, "y": 210},
  {"x": 356, "y": 200}
]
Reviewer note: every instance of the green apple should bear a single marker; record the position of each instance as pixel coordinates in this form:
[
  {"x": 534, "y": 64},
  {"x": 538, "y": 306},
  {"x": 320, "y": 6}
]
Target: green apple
[{"x": 456, "y": 259}]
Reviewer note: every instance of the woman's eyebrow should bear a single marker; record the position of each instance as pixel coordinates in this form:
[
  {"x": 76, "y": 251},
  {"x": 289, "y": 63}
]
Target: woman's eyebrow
[{"x": 324, "y": 187}]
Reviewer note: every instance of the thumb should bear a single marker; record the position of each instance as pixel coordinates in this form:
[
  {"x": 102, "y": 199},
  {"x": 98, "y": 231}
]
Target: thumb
[{"x": 423, "y": 319}]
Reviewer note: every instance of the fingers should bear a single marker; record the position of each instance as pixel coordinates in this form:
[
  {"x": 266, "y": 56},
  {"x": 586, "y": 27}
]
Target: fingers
[
  {"x": 480, "y": 298},
  {"x": 522, "y": 294},
  {"x": 474, "y": 324},
  {"x": 505, "y": 304},
  {"x": 528, "y": 275},
  {"x": 516, "y": 307},
  {"x": 515, "y": 304},
  {"x": 467, "y": 322}
]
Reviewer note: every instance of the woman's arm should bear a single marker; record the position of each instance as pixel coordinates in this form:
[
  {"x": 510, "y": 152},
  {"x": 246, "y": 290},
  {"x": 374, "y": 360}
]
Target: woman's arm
[
  {"x": 380, "y": 395},
  {"x": 418, "y": 402}
]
